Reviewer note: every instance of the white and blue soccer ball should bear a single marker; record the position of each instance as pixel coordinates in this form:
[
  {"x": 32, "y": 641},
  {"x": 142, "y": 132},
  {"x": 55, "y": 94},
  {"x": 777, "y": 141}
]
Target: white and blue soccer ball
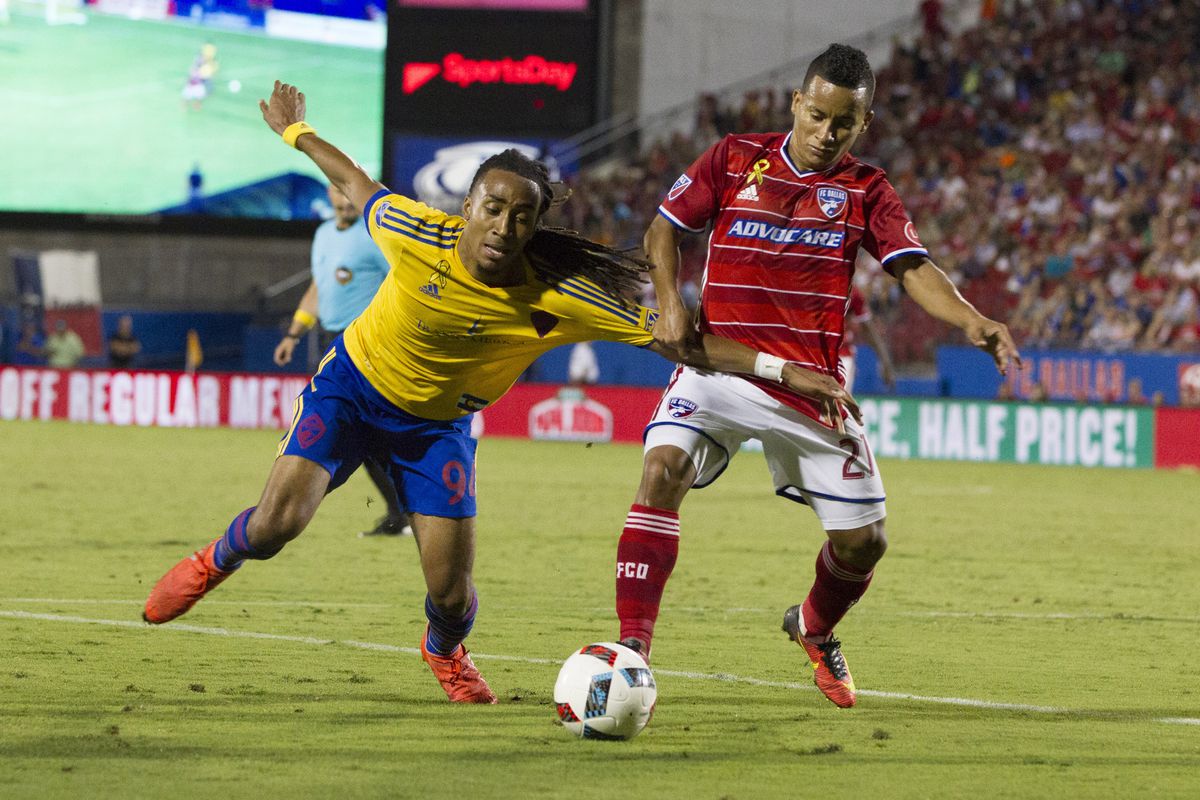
[{"x": 605, "y": 691}]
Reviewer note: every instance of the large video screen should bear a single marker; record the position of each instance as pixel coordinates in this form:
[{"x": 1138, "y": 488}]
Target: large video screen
[
  {"x": 138, "y": 107},
  {"x": 487, "y": 72}
]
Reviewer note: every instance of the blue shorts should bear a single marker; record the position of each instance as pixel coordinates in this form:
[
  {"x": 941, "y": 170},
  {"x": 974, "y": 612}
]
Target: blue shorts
[{"x": 340, "y": 419}]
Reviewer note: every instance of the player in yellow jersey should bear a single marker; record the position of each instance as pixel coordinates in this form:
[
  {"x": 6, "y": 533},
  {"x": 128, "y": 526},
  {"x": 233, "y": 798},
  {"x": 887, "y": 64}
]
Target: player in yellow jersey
[{"x": 469, "y": 303}]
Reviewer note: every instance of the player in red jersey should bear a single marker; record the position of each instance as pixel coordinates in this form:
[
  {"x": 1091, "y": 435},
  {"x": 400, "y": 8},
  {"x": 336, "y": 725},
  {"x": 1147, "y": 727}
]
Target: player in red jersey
[
  {"x": 788, "y": 214},
  {"x": 861, "y": 320}
]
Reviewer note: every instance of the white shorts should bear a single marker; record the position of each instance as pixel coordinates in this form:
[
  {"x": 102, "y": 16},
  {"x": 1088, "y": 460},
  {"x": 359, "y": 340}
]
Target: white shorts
[
  {"x": 846, "y": 364},
  {"x": 709, "y": 415}
]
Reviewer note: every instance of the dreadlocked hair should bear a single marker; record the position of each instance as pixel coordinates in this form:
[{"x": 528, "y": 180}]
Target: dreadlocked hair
[{"x": 558, "y": 253}]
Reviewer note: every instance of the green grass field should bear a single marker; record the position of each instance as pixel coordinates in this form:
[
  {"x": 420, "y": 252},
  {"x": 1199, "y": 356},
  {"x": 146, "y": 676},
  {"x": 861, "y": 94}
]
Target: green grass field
[
  {"x": 1032, "y": 632},
  {"x": 93, "y": 119}
]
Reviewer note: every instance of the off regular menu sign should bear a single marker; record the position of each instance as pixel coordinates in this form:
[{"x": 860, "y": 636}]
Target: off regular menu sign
[{"x": 162, "y": 399}]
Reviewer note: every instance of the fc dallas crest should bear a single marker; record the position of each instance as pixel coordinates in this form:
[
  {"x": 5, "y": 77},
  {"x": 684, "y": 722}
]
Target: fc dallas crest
[{"x": 831, "y": 201}]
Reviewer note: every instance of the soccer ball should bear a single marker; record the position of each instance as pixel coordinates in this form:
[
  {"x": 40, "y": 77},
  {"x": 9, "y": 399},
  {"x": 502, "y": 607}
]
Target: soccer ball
[
  {"x": 235, "y": 86},
  {"x": 605, "y": 691}
]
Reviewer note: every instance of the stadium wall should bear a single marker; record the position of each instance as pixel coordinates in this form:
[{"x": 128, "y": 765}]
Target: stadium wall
[
  {"x": 702, "y": 45},
  {"x": 1073, "y": 375},
  {"x": 161, "y": 270},
  {"x": 900, "y": 428}
]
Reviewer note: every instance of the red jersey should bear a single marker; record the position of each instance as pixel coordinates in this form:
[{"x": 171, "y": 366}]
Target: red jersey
[
  {"x": 858, "y": 313},
  {"x": 783, "y": 244}
]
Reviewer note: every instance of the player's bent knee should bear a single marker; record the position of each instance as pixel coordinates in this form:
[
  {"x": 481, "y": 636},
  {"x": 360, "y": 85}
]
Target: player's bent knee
[
  {"x": 270, "y": 528},
  {"x": 863, "y": 547},
  {"x": 667, "y": 474}
]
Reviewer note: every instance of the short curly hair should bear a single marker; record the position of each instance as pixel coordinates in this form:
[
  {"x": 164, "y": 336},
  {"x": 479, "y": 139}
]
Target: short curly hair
[{"x": 842, "y": 65}]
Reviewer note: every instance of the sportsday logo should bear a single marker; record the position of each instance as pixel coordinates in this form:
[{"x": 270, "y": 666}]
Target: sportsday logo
[{"x": 458, "y": 69}]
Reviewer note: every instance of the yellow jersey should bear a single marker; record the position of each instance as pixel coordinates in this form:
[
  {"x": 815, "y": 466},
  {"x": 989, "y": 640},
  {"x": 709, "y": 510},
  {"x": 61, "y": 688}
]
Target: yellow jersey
[{"x": 440, "y": 344}]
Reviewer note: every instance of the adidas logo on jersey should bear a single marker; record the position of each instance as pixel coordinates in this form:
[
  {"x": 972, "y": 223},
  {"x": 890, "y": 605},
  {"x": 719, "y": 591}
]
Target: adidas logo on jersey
[
  {"x": 749, "y": 193},
  {"x": 431, "y": 289}
]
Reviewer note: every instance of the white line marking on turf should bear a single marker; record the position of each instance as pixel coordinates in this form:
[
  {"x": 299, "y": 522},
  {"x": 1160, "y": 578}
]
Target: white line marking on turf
[
  {"x": 723, "y": 677},
  {"x": 1114, "y": 616},
  {"x": 280, "y": 603}
]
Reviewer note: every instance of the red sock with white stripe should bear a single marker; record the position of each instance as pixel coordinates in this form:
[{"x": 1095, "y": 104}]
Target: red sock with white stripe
[
  {"x": 837, "y": 587},
  {"x": 645, "y": 557}
]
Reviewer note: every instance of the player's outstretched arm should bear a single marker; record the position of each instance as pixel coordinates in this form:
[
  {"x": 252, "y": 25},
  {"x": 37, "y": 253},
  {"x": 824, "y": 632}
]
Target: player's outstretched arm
[
  {"x": 934, "y": 292},
  {"x": 878, "y": 342},
  {"x": 284, "y": 112},
  {"x": 725, "y": 355}
]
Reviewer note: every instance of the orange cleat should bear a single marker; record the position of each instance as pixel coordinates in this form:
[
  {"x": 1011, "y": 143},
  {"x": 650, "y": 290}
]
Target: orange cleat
[
  {"x": 183, "y": 586},
  {"x": 830, "y": 672},
  {"x": 458, "y": 675}
]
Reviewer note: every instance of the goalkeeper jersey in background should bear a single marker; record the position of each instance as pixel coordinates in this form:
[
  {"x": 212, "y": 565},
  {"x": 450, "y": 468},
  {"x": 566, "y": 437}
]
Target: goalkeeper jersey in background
[{"x": 347, "y": 268}]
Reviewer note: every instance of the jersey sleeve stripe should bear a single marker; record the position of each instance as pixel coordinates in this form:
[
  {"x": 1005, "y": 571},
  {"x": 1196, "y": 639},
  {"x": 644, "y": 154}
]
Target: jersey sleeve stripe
[
  {"x": 375, "y": 198},
  {"x": 403, "y": 217},
  {"x": 674, "y": 221},
  {"x": 903, "y": 252},
  {"x": 414, "y": 235},
  {"x": 596, "y": 293},
  {"x": 421, "y": 226},
  {"x": 630, "y": 317}
]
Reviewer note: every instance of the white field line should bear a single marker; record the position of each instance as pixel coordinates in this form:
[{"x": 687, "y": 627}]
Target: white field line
[
  {"x": 703, "y": 676},
  {"x": 1115, "y": 616},
  {"x": 208, "y": 601}
]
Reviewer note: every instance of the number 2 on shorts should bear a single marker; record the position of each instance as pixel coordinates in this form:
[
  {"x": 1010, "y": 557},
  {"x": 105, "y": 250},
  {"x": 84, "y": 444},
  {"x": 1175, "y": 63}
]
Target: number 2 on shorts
[{"x": 850, "y": 470}]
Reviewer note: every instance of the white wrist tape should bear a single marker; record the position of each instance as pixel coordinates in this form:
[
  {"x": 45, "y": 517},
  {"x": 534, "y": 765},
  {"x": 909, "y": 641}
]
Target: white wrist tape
[{"x": 769, "y": 367}]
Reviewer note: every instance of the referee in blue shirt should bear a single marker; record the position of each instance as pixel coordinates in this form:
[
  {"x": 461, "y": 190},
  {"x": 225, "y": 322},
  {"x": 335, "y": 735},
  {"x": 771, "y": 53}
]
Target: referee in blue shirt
[{"x": 347, "y": 269}]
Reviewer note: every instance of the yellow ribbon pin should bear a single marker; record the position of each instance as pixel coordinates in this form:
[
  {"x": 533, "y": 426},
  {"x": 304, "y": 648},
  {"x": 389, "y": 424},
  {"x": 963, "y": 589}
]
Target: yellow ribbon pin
[{"x": 757, "y": 173}]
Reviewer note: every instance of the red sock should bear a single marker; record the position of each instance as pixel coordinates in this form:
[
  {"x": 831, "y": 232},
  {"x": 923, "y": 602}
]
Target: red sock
[
  {"x": 837, "y": 587},
  {"x": 645, "y": 557}
]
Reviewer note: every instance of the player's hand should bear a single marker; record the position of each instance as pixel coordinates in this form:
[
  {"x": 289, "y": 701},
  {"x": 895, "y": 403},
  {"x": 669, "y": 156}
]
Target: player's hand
[
  {"x": 993, "y": 338},
  {"x": 674, "y": 329},
  {"x": 285, "y": 106},
  {"x": 824, "y": 389},
  {"x": 284, "y": 350},
  {"x": 888, "y": 374}
]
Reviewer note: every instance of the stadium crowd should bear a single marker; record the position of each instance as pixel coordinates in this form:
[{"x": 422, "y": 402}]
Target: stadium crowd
[{"x": 1050, "y": 156}]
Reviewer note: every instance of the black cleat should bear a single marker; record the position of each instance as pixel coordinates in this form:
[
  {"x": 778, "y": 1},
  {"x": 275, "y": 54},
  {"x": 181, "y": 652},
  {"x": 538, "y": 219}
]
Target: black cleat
[
  {"x": 391, "y": 526},
  {"x": 637, "y": 646}
]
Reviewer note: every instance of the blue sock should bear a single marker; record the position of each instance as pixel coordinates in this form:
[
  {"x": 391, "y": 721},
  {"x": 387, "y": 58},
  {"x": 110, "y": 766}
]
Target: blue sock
[
  {"x": 446, "y": 631},
  {"x": 234, "y": 547}
]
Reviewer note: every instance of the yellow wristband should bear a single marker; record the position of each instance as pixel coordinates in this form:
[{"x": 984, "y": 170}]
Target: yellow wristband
[
  {"x": 294, "y": 131},
  {"x": 304, "y": 318}
]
